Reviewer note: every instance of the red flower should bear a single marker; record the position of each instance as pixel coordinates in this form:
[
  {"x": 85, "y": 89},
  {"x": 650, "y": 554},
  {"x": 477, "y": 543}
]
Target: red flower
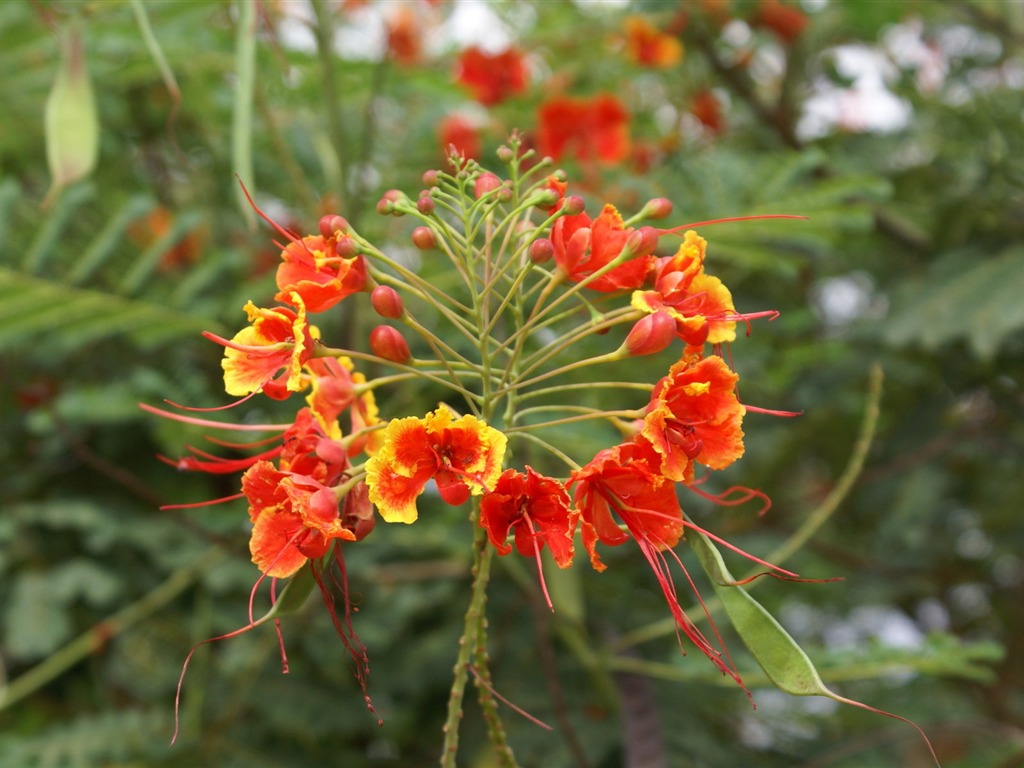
[
  {"x": 695, "y": 416},
  {"x": 404, "y": 31},
  {"x": 584, "y": 246},
  {"x": 624, "y": 484},
  {"x": 313, "y": 269},
  {"x": 458, "y": 132},
  {"x": 650, "y": 47},
  {"x": 337, "y": 388},
  {"x": 295, "y": 518},
  {"x": 535, "y": 507},
  {"x": 785, "y": 21},
  {"x": 626, "y": 480},
  {"x": 492, "y": 77},
  {"x": 700, "y": 304},
  {"x": 708, "y": 110},
  {"x": 590, "y": 129},
  {"x": 463, "y": 456}
]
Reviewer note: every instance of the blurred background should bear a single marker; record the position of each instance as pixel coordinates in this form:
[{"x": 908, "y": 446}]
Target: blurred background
[{"x": 896, "y": 127}]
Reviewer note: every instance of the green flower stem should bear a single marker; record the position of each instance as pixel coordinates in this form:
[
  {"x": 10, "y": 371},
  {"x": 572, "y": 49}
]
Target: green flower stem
[
  {"x": 419, "y": 373},
  {"x": 608, "y": 357},
  {"x": 437, "y": 344},
  {"x": 87, "y": 643},
  {"x": 640, "y": 386},
  {"x": 574, "y": 336},
  {"x": 557, "y": 453},
  {"x": 439, "y": 300},
  {"x": 624, "y": 256},
  {"x": 474, "y": 624},
  {"x": 488, "y": 705},
  {"x": 584, "y": 414},
  {"x": 814, "y": 521}
]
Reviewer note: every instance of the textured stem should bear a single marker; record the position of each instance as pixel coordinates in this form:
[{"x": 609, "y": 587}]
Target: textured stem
[{"x": 474, "y": 624}]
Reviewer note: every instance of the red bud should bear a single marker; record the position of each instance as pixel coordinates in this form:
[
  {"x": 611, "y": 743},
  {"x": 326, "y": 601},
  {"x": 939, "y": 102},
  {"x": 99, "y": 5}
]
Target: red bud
[
  {"x": 346, "y": 248},
  {"x": 424, "y": 238},
  {"x": 425, "y": 204},
  {"x": 573, "y": 205},
  {"x": 651, "y": 334},
  {"x": 429, "y": 178},
  {"x": 386, "y": 302},
  {"x": 485, "y": 182},
  {"x": 541, "y": 250},
  {"x": 331, "y": 224},
  {"x": 658, "y": 208},
  {"x": 643, "y": 241},
  {"x": 388, "y": 343}
]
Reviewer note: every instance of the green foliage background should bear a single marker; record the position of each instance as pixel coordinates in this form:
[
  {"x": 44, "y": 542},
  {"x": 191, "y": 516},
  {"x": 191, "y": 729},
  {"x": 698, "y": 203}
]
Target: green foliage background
[{"x": 101, "y": 595}]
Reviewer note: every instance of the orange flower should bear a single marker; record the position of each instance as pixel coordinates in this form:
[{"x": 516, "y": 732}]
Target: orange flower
[
  {"x": 492, "y": 77},
  {"x": 336, "y": 388},
  {"x": 536, "y": 508},
  {"x": 462, "y": 455},
  {"x": 624, "y": 484},
  {"x": 277, "y": 339},
  {"x": 596, "y": 128},
  {"x": 700, "y": 304},
  {"x": 404, "y": 30},
  {"x": 650, "y": 47},
  {"x": 695, "y": 416},
  {"x": 785, "y": 21},
  {"x": 295, "y": 518},
  {"x": 314, "y": 269},
  {"x": 583, "y": 246},
  {"x": 708, "y": 110}
]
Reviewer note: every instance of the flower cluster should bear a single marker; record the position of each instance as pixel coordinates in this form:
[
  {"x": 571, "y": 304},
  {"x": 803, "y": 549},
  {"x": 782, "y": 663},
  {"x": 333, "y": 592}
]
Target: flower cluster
[{"x": 538, "y": 303}]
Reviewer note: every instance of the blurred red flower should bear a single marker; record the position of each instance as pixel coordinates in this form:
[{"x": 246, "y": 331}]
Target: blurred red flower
[
  {"x": 589, "y": 128},
  {"x": 492, "y": 77}
]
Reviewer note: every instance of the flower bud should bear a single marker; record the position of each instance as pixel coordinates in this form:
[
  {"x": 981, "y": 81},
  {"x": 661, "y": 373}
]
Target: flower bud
[
  {"x": 394, "y": 195},
  {"x": 643, "y": 241},
  {"x": 386, "y": 302},
  {"x": 651, "y": 334},
  {"x": 425, "y": 204},
  {"x": 346, "y": 248},
  {"x": 385, "y": 207},
  {"x": 505, "y": 154},
  {"x": 424, "y": 238},
  {"x": 573, "y": 205},
  {"x": 332, "y": 224},
  {"x": 388, "y": 343},
  {"x": 541, "y": 250},
  {"x": 657, "y": 208},
  {"x": 546, "y": 199},
  {"x": 429, "y": 178},
  {"x": 505, "y": 193},
  {"x": 485, "y": 183}
]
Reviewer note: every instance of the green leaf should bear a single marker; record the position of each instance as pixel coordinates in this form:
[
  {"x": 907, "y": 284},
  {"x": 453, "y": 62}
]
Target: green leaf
[
  {"x": 965, "y": 297},
  {"x": 31, "y": 308}
]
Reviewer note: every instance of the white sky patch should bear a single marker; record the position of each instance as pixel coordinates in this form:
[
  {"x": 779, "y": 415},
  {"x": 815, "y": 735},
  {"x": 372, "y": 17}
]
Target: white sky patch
[
  {"x": 867, "y": 105},
  {"x": 474, "y": 22}
]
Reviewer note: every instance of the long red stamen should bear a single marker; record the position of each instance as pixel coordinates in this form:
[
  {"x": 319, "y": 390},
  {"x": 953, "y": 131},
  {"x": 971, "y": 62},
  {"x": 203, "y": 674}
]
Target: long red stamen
[
  {"x": 709, "y": 222},
  {"x": 518, "y": 710},
  {"x": 207, "y": 422},
  {"x": 198, "y": 504},
  {"x": 540, "y": 566}
]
